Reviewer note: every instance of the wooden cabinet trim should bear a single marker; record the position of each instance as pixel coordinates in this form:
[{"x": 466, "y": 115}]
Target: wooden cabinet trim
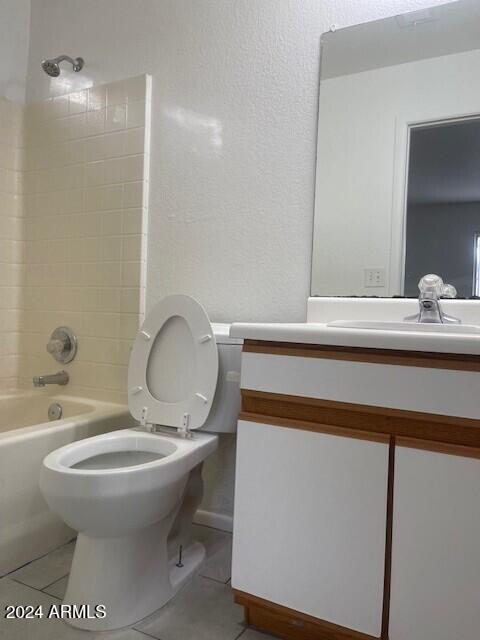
[
  {"x": 387, "y": 576},
  {"x": 439, "y": 447},
  {"x": 362, "y": 421},
  {"x": 290, "y": 624},
  {"x": 316, "y": 427},
  {"x": 426, "y": 359}
]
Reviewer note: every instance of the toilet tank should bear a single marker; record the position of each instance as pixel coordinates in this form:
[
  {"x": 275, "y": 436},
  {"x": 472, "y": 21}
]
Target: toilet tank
[{"x": 223, "y": 415}]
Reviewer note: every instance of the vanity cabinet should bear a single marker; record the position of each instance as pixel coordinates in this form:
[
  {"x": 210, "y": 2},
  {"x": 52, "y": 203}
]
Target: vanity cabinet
[
  {"x": 357, "y": 500},
  {"x": 435, "y": 580},
  {"x": 310, "y": 517}
]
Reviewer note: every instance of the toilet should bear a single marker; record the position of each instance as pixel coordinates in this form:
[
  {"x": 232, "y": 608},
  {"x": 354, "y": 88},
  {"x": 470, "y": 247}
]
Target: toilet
[{"x": 132, "y": 493}]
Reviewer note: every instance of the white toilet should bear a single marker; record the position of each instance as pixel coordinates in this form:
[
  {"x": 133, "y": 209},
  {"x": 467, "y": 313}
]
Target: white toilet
[{"x": 132, "y": 494}]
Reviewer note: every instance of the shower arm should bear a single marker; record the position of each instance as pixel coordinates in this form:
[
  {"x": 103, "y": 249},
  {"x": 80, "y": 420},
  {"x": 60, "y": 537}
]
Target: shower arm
[{"x": 77, "y": 64}]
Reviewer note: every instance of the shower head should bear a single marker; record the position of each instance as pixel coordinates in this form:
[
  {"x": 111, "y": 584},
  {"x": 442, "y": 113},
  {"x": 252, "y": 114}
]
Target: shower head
[{"x": 52, "y": 65}]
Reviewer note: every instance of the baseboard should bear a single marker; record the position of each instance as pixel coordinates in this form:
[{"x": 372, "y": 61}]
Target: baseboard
[
  {"x": 213, "y": 519},
  {"x": 289, "y": 624}
]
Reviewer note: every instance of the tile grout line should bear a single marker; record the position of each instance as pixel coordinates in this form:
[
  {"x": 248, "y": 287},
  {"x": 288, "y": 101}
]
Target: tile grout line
[
  {"x": 35, "y": 589},
  {"x": 147, "y": 635},
  {"x": 215, "y": 579},
  {"x": 54, "y": 581},
  {"x": 9, "y": 573},
  {"x": 207, "y": 526}
]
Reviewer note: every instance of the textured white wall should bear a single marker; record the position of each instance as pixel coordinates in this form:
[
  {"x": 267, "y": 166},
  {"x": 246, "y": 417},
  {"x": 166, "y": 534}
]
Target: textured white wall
[
  {"x": 14, "y": 25},
  {"x": 233, "y": 137}
]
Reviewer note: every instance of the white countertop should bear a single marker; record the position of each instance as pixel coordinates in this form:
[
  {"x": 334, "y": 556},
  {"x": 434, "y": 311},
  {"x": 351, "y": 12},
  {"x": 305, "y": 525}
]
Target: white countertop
[
  {"x": 321, "y": 334},
  {"x": 316, "y": 331}
]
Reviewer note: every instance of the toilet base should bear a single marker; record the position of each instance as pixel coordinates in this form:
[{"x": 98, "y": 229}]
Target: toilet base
[{"x": 131, "y": 576}]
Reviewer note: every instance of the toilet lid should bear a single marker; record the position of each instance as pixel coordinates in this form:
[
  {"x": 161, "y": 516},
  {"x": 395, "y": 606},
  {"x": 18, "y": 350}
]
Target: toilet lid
[{"x": 173, "y": 368}]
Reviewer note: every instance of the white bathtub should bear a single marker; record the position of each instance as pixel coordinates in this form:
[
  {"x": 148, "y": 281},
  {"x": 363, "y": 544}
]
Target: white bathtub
[{"x": 28, "y": 529}]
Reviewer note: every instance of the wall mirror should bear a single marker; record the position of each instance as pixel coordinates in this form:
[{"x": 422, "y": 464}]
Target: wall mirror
[{"x": 398, "y": 158}]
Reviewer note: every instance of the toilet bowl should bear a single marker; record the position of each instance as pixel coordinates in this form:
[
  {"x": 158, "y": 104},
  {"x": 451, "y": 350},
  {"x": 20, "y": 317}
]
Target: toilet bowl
[{"x": 132, "y": 493}]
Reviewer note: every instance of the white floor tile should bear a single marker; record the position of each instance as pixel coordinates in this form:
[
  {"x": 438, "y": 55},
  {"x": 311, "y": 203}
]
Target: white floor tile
[
  {"x": 12, "y": 592},
  {"x": 203, "y": 610},
  {"x": 218, "y": 546},
  {"x": 57, "y": 588},
  {"x": 45, "y": 570}
]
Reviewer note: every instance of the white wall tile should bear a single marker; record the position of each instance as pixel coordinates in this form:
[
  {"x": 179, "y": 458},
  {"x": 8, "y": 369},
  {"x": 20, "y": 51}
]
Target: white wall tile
[
  {"x": 79, "y": 236},
  {"x": 12, "y": 245},
  {"x": 95, "y": 122},
  {"x": 136, "y": 114},
  {"x": 97, "y": 97},
  {"x": 116, "y": 93},
  {"x": 77, "y": 102},
  {"x": 114, "y": 170},
  {"x": 133, "y": 167},
  {"x": 133, "y": 194},
  {"x": 116, "y": 117}
]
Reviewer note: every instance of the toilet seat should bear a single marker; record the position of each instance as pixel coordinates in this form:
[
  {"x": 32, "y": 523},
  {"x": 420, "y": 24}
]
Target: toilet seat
[{"x": 173, "y": 368}]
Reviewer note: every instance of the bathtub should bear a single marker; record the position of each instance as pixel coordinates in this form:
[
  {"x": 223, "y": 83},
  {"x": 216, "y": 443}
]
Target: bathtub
[{"x": 28, "y": 529}]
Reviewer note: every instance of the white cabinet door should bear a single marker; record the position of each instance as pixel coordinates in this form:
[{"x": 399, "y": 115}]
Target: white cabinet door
[
  {"x": 309, "y": 525},
  {"x": 436, "y": 547}
]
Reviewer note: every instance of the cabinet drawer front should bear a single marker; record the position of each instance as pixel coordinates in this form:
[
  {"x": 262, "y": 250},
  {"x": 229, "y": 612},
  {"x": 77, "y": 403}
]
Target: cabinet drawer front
[
  {"x": 310, "y": 521},
  {"x": 433, "y": 391}
]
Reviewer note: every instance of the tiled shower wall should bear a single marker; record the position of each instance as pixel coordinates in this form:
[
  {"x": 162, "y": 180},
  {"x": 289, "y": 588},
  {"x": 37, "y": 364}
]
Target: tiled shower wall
[
  {"x": 11, "y": 245},
  {"x": 84, "y": 225}
]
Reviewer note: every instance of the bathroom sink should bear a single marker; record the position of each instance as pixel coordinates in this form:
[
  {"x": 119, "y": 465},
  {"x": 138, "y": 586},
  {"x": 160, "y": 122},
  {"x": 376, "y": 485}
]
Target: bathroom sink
[{"x": 405, "y": 326}]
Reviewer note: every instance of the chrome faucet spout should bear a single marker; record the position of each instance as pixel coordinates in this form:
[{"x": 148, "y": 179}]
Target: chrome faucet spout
[
  {"x": 61, "y": 378},
  {"x": 430, "y": 310},
  {"x": 431, "y": 289}
]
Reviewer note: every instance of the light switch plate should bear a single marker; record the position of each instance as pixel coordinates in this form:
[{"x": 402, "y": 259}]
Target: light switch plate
[{"x": 374, "y": 277}]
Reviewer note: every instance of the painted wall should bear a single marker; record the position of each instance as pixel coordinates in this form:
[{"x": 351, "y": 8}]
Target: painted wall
[
  {"x": 234, "y": 127},
  {"x": 14, "y": 34}
]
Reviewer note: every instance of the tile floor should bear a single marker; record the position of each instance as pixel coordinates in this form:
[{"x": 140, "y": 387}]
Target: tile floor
[{"x": 202, "y": 610}]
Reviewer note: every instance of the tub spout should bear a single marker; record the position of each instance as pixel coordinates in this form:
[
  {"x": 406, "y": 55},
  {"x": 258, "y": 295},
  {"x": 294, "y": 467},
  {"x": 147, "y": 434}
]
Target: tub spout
[{"x": 56, "y": 378}]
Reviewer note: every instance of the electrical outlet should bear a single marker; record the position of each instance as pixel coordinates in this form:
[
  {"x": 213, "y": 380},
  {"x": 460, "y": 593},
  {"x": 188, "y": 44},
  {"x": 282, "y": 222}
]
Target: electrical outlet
[{"x": 374, "y": 277}]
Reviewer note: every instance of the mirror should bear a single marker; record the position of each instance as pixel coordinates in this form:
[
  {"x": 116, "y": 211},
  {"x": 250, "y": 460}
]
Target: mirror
[{"x": 398, "y": 155}]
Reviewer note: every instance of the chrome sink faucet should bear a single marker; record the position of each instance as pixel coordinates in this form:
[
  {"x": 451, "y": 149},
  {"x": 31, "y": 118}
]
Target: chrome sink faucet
[
  {"x": 56, "y": 378},
  {"x": 432, "y": 289}
]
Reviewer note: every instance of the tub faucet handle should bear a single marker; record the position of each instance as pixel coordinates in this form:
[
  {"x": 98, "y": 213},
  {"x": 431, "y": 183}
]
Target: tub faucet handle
[
  {"x": 62, "y": 345},
  {"x": 55, "y": 346}
]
